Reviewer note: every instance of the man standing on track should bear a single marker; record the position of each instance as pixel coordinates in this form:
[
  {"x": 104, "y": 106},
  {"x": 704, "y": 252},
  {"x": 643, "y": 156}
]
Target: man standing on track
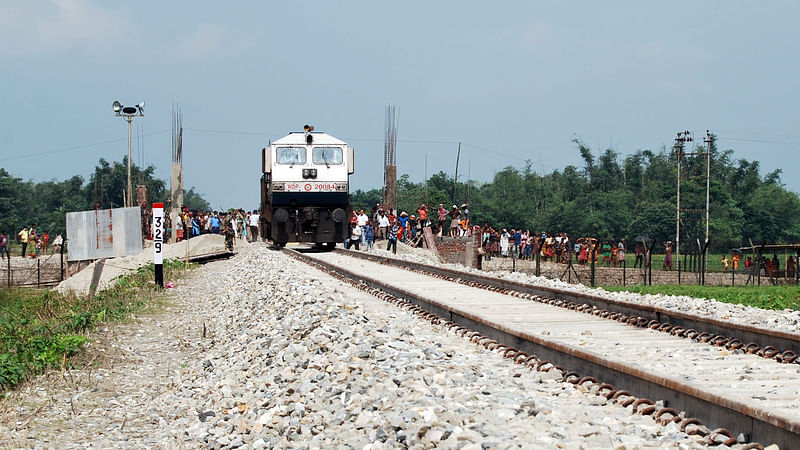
[
  {"x": 392, "y": 238},
  {"x": 215, "y": 223},
  {"x": 361, "y": 221},
  {"x": 253, "y": 224},
  {"x": 383, "y": 225}
]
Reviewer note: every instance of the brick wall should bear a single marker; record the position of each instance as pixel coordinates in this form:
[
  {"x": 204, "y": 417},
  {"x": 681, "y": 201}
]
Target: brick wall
[{"x": 454, "y": 250}]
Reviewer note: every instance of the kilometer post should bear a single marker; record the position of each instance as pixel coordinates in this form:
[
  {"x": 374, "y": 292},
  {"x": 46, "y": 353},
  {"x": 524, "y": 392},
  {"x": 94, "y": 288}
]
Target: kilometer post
[{"x": 158, "y": 242}]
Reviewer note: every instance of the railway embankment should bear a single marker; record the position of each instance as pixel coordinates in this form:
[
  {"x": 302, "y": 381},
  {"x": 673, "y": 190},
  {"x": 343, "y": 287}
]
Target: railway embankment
[{"x": 260, "y": 351}]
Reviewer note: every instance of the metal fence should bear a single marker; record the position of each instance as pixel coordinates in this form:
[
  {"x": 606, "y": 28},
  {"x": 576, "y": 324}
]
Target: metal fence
[
  {"x": 42, "y": 271},
  {"x": 623, "y": 274}
]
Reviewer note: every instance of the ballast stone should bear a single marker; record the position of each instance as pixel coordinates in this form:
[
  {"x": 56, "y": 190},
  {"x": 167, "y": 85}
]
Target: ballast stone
[{"x": 286, "y": 369}]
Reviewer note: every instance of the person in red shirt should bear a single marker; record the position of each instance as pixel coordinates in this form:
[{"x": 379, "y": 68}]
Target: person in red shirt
[
  {"x": 423, "y": 215},
  {"x": 4, "y": 245},
  {"x": 45, "y": 241}
]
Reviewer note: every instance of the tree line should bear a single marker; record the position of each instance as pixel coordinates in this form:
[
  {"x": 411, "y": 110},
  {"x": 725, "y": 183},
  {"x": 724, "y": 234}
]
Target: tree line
[
  {"x": 612, "y": 197},
  {"x": 46, "y": 204}
]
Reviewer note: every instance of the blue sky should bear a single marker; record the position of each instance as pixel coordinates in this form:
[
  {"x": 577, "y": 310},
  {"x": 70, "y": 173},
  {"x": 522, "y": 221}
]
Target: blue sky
[{"x": 513, "y": 81}]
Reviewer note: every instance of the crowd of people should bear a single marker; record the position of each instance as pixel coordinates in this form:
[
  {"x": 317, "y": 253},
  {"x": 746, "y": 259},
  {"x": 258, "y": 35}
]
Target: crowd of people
[
  {"x": 555, "y": 247},
  {"x": 384, "y": 224},
  {"x": 31, "y": 242},
  {"x": 233, "y": 224},
  {"x": 768, "y": 267}
]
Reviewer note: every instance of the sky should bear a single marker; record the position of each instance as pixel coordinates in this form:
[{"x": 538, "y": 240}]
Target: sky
[{"x": 512, "y": 81}]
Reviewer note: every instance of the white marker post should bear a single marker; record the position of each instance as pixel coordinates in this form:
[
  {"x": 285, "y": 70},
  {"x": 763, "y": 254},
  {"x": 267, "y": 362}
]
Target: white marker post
[{"x": 158, "y": 242}]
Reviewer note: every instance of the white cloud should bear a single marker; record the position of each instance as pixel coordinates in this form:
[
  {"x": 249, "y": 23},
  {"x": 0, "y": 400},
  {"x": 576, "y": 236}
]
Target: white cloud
[{"x": 46, "y": 27}]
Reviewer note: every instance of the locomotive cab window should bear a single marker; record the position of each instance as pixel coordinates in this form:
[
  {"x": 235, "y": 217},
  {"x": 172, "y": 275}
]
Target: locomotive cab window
[
  {"x": 327, "y": 155},
  {"x": 291, "y": 155}
]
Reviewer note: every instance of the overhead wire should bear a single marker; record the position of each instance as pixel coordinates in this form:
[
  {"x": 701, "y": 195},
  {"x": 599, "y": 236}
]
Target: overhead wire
[
  {"x": 758, "y": 141},
  {"x": 211, "y": 130},
  {"x": 76, "y": 147},
  {"x": 353, "y": 139}
]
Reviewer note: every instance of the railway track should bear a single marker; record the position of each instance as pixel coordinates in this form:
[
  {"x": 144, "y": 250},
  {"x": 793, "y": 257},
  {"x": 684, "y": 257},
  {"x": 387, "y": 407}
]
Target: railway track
[
  {"x": 739, "y": 380},
  {"x": 775, "y": 344}
]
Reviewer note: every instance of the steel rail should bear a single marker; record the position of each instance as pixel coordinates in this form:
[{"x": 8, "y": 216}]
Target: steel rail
[
  {"x": 775, "y": 344},
  {"x": 578, "y": 366}
]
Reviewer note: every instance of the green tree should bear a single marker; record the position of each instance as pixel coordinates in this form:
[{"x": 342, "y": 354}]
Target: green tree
[
  {"x": 194, "y": 200},
  {"x": 16, "y": 206},
  {"x": 653, "y": 220},
  {"x": 772, "y": 215},
  {"x": 110, "y": 180}
]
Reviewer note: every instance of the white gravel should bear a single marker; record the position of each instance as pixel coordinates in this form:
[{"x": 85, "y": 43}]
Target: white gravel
[{"x": 292, "y": 359}]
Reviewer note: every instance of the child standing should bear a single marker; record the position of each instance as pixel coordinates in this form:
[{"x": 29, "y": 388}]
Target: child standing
[
  {"x": 392, "y": 238},
  {"x": 369, "y": 235}
]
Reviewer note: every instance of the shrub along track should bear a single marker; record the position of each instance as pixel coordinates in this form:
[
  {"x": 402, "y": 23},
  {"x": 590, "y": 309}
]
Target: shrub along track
[{"x": 756, "y": 420}]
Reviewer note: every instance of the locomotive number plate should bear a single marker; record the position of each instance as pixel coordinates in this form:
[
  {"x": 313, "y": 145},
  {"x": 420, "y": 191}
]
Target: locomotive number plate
[{"x": 310, "y": 187}]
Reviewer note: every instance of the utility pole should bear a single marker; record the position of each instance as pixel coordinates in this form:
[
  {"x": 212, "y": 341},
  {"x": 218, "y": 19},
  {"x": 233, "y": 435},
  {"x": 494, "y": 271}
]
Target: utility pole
[
  {"x": 426, "y": 178},
  {"x": 129, "y": 198},
  {"x": 455, "y": 178},
  {"x": 683, "y": 137},
  {"x": 469, "y": 184},
  {"x": 709, "y": 139}
]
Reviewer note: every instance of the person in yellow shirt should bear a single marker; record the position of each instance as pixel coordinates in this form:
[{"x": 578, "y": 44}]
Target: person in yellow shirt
[
  {"x": 724, "y": 263},
  {"x": 23, "y": 239}
]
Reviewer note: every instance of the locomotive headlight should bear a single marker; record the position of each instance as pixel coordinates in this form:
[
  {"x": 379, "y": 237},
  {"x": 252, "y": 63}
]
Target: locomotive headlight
[
  {"x": 280, "y": 215},
  {"x": 339, "y": 215},
  {"x": 306, "y": 173},
  {"x": 312, "y": 173}
]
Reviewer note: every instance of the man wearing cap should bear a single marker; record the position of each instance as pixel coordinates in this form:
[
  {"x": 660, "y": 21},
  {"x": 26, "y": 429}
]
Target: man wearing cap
[{"x": 403, "y": 223}]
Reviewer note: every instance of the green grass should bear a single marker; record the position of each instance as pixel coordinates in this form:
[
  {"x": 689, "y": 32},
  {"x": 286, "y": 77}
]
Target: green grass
[
  {"x": 42, "y": 329},
  {"x": 766, "y": 297}
]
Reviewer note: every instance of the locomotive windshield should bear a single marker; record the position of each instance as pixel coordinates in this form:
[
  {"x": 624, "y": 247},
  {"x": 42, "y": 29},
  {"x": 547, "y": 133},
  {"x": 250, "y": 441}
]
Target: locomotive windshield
[
  {"x": 291, "y": 155},
  {"x": 326, "y": 155}
]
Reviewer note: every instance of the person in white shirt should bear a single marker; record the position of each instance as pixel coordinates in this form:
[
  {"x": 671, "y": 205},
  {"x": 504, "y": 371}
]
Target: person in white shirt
[
  {"x": 252, "y": 236},
  {"x": 234, "y": 227},
  {"x": 383, "y": 225},
  {"x": 361, "y": 221},
  {"x": 355, "y": 237}
]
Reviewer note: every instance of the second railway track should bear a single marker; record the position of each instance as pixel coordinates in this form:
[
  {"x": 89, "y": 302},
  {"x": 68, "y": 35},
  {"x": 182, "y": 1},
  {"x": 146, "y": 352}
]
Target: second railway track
[{"x": 715, "y": 376}]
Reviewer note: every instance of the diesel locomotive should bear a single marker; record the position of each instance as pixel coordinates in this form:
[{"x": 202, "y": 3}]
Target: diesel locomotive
[{"x": 305, "y": 194}]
